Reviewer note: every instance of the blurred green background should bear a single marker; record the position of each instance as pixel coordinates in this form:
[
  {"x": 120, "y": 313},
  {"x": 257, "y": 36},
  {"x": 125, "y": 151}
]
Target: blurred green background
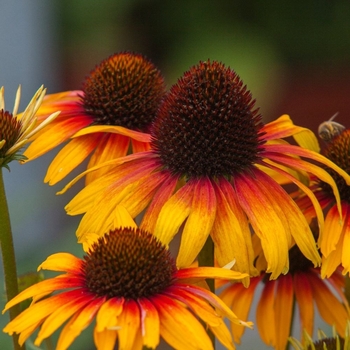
[{"x": 294, "y": 57}]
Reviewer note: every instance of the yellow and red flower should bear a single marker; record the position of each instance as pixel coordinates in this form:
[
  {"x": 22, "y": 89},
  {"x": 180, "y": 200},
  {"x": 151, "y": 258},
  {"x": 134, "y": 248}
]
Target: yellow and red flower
[
  {"x": 301, "y": 286},
  {"x": 16, "y": 130},
  {"x": 129, "y": 284},
  {"x": 114, "y": 109},
  {"x": 334, "y": 242},
  {"x": 205, "y": 173}
]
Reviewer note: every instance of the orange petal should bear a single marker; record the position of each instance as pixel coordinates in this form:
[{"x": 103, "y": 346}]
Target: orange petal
[
  {"x": 265, "y": 314},
  {"x": 329, "y": 307},
  {"x": 283, "y": 310},
  {"x": 303, "y": 294},
  {"x": 263, "y": 206}
]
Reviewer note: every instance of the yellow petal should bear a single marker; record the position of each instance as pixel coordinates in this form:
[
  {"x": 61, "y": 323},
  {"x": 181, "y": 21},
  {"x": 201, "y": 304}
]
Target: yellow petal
[
  {"x": 107, "y": 315},
  {"x": 231, "y": 233},
  {"x": 173, "y": 213},
  {"x": 179, "y": 327},
  {"x": 69, "y": 157},
  {"x": 149, "y": 323},
  {"x": 139, "y": 136},
  {"x": 62, "y": 262},
  {"x": 199, "y": 222},
  {"x": 129, "y": 322}
]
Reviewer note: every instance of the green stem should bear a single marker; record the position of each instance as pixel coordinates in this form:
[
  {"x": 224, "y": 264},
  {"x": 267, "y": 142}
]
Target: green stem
[
  {"x": 347, "y": 288},
  {"x": 206, "y": 258},
  {"x": 8, "y": 257}
]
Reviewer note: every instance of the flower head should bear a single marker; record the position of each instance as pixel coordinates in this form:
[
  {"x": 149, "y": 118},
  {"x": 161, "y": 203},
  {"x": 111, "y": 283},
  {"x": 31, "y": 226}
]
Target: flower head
[
  {"x": 205, "y": 173},
  {"x": 129, "y": 283},
  {"x": 302, "y": 286},
  {"x": 334, "y": 241},
  {"x": 17, "y": 130},
  {"x": 115, "y": 107}
]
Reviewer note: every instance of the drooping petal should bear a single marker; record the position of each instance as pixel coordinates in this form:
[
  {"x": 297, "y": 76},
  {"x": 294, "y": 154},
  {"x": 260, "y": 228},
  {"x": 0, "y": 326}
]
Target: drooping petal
[
  {"x": 332, "y": 230},
  {"x": 239, "y": 298},
  {"x": 199, "y": 222},
  {"x": 110, "y": 146},
  {"x": 283, "y": 127},
  {"x": 69, "y": 157},
  {"x": 231, "y": 233},
  {"x": 61, "y": 314},
  {"x": 310, "y": 195},
  {"x": 37, "y": 312},
  {"x": 78, "y": 323},
  {"x": 173, "y": 213},
  {"x": 179, "y": 327},
  {"x": 108, "y": 313},
  {"x": 329, "y": 307},
  {"x": 220, "y": 306},
  {"x": 283, "y": 310},
  {"x": 106, "y": 339},
  {"x": 222, "y": 334},
  {"x": 163, "y": 194},
  {"x": 296, "y": 222},
  {"x": 304, "y": 297},
  {"x": 264, "y": 209},
  {"x": 346, "y": 240},
  {"x": 129, "y": 322},
  {"x": 265, "y": 314},
  {"x": 149, "y": 323}
]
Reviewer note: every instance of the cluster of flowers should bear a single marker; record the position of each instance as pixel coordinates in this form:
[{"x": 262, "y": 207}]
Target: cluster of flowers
[{"x": 195, "y": 160}]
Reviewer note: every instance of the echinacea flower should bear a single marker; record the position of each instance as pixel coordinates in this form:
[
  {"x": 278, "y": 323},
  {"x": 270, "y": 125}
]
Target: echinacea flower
[
  {"x": 129, "y": 284},
  {"x": 301, "y": 286},
  {"x": 334, "y": 242},
  {"x": 205, "y": 173},
  {"x": 114, "y": 109},
  {"x": 16, "y": 130}
]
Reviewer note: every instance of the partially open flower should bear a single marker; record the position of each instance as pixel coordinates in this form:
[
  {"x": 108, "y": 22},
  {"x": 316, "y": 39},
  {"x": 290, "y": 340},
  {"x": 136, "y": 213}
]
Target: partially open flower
[
  {"x": 113, "y": 111},
  {"x": 16, "y": 130},
  {"x": 129, "y": 284}
]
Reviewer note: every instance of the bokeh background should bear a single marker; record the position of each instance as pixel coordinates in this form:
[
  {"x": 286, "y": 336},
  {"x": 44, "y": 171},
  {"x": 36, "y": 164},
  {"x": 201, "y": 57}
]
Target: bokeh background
[{"x": 294, "y": 57}]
